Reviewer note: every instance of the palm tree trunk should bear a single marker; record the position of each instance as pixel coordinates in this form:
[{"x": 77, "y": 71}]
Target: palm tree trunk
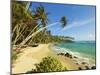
[
  {"x": 33, "y": 34},
  {"x": 28, "y": 6}
]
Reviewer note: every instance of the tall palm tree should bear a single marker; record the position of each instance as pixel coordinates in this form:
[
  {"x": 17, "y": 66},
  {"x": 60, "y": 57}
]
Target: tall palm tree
[
  {"x": 42, "y": 15},
  {"x": 39, "y": 16}
]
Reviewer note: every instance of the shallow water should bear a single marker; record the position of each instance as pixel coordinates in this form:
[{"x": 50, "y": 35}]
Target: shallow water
[{"x": 82, "y": 49}]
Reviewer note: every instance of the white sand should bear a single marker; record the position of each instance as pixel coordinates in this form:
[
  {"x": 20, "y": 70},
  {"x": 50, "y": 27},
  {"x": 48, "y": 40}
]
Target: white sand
[{"x": 29, "y": 57}]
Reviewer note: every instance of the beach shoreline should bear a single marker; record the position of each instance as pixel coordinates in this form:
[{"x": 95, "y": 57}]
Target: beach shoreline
[
  {"x": 33, "y": 55},
  {"x": 80, "y": 56}
]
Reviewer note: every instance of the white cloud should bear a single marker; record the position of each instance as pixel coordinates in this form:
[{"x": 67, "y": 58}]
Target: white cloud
[
  {"x": 78, "y": 23},
  {"x": 91, "y": 36}
]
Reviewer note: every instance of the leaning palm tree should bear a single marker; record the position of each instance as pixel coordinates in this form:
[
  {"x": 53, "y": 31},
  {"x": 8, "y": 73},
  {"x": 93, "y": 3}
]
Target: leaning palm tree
[
  {"x": 41, "y": 15},
  {"x": 22, "y": 21},
  {"x": 63, "y": 22}
]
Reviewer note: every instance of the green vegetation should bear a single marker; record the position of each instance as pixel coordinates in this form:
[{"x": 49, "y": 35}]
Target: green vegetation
[
  {"x": 26, "y": 24},
  {"x": 29, "y": 26},
  {"x": 13, "y": 56},
  {"x": 48, "y": 64}
]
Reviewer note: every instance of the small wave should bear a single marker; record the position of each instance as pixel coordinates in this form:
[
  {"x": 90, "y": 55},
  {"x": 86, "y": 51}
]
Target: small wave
[
  {"x": 59, "y": 49},
  {"x": 81, "y": 56}
]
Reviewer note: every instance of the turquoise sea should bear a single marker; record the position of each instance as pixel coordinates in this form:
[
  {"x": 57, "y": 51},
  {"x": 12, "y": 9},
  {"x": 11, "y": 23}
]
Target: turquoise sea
[{"x": 84, "y": 49}]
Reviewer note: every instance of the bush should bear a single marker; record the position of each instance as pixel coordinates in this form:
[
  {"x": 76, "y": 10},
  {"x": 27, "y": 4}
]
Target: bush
[{"x": 48, "y": 64}]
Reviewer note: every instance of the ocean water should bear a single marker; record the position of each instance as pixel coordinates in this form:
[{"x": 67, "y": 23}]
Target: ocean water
[{"x": 83, "y": 49}]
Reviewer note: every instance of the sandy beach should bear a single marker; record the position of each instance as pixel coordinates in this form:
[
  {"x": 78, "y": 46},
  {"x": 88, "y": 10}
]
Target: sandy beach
[
  {"x": 28, "y": 57},
  {"x": 32, "y": 55}
]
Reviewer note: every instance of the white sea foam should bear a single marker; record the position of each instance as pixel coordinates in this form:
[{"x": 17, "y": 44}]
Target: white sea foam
[{"x": 81, "y": 57}]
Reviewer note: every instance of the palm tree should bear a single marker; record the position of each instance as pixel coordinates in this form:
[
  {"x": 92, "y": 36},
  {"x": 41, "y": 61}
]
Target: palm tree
[
  {"x": 28, "y": 5},
  {"x": 63, "y": 21},
  {"x": 42, "y": 15},
  {"x": 21, "y": 21}
]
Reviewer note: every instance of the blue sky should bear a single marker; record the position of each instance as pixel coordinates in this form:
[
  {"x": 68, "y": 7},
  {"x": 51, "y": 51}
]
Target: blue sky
[{"x": 81, "y": 20}]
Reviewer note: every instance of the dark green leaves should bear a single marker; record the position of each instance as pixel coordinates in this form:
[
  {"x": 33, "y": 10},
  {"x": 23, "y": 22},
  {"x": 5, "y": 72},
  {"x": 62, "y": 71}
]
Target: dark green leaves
[{"x": 63, "y": 21}]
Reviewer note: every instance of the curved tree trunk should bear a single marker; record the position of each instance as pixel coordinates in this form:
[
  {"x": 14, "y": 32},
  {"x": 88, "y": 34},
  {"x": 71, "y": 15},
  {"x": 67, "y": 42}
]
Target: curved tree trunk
[{"x": 33, "y": 34}]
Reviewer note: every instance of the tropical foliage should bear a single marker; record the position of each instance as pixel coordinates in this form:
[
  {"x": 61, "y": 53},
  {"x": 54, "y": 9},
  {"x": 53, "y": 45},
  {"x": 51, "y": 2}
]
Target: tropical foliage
[
  {"x": 25, "y": 23},
  {"x": 29, "y": 28},
  {"x": 48, "y": 64}
]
